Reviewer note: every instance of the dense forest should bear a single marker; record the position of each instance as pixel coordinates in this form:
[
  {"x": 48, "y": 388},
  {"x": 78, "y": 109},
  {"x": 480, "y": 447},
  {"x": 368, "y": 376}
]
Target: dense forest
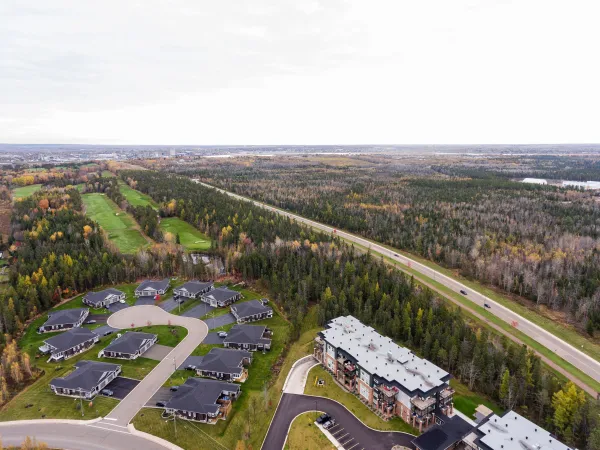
[{"x": 538, "y": 242}]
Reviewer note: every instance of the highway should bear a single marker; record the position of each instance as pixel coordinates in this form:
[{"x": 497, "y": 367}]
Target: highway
[{"x": 566, "y": 351}]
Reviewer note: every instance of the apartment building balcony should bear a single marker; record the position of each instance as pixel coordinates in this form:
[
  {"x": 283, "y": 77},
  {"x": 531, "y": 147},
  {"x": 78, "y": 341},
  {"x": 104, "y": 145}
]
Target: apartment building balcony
[{"x": 446, "y": 400}]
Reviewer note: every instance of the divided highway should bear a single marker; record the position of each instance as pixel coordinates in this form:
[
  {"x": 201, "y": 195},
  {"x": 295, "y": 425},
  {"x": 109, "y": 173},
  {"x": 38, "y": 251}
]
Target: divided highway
[{"x": 566, "y": 351}]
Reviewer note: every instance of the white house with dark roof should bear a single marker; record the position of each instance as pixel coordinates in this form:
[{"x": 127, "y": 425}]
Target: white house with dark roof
[
  {"x": 224, "y": 364},
  {"x": 64, "y": 320},
  {"x": 193, "y": 289},
  {"x": 129, "y": 345},
  {"x": 151, "y": 288},
  {"x": 103, "y": 298},
  {"x": 251, "y": 311},
  {"x": 387, "y": 377},
  {"x": 221, "y": 296},
  {"x": 87, "y": 380},
  {"x": 248, "y": 337},
  {"x": 203, "y": 400},
  {"x": 68, "y": 344}
]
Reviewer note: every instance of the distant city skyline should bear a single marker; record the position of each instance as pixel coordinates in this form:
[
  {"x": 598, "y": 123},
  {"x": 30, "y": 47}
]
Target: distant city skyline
[{"x": 299, "y": 73}]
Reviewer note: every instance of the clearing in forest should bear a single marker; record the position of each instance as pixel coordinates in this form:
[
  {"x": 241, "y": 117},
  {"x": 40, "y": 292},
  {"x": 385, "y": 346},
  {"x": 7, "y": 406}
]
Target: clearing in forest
[
  {"x": 25, "y": 191},
  {"x": 191, "y": 238},
  {"x": 135, "y": 198},
  {"x": 121, "y": 228}
]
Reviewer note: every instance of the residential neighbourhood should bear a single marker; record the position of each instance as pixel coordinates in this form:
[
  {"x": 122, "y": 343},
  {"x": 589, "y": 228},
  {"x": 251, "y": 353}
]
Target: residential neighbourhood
[
  {"x": 220, "y": 297},
  {"x": 248, "y": 337},
  {"x": 251, "y": 311},
  {"x": 103, "y": 298},
  {"x": 193, "y": 289},
  {"x": 151, "y": 288},
  {"x": 64, "y": 320},
  {"x": 87, "y": 380},
  {"x": 68, "y": 344},
  {"x": 130, "y": 345},
  {"x": 225, "y": 364}
]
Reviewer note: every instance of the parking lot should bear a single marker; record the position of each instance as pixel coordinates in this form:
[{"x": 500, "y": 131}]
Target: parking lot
[
  {"x": 122, "y": 386},
  {"x": 344, "y": 437}
]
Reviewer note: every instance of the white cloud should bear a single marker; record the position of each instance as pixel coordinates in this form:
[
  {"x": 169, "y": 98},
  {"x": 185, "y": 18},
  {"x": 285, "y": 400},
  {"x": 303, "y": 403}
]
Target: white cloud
[{"x": 287, "y": 72}]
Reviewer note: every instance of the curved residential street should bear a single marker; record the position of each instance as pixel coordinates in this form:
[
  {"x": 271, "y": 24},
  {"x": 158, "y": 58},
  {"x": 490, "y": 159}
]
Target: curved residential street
[{"x": 566, "y": 351}]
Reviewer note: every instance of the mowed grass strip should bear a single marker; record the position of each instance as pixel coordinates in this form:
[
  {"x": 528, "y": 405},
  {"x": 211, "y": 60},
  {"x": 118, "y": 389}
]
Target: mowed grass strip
[
  {"x": 190, "y": 237},
  {"x": 135, "y": 198},
  {"x": 120, "y": 227},
  {"x": 25, "y": 191},
  {"x": 305, "y": 435}
]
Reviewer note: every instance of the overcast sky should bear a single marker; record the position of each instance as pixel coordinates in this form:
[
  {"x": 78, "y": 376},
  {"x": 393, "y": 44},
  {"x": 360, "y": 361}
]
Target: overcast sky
[{"x": 299, "y": 72}]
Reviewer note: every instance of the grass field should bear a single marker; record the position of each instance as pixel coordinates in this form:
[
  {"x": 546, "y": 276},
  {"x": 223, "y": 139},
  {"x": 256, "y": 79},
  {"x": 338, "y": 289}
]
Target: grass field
[
  {"x": 120, "y": 226},
  {"x": 25, "y": 191},
  {"x": 466, "y": 401},
  {"x": 107, "y": 174},
  {"x": 135, "y": 198},
  {"x": 359, "y": 409},
  {"x": 305, "y": 435},
  {"x": 190, "y": 237}
]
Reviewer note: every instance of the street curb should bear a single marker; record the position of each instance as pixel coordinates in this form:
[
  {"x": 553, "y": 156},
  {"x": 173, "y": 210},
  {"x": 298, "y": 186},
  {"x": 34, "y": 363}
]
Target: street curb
[
  {"x": 153, "y": 438},
  {"x": 41, "y": 421}
]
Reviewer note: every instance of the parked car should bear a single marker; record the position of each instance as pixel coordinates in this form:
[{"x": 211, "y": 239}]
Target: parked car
[
  {"x": 463, "y": 292},
  {"x": 190, "y": 367},
  {"x": 330, "y": 423},
  {"x": 222, "y": 334},
  {"x": 107, "y": 392},
  {"x": 106, "y": 333},
  {"x": 174, "y": 388},
  {"x": 161, "y": 404},
  {"x": 122, "y": 301},
  {"x": 323, "y": 418},
  {"x": 89, "y": 322}
]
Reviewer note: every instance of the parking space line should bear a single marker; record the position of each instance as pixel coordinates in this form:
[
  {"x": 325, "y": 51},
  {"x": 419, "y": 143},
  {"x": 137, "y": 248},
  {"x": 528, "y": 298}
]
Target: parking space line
[
  {"x": 342, "y": 437},
  {"x": 349, "y": 440},
  {"x": 355, "y": 444}
]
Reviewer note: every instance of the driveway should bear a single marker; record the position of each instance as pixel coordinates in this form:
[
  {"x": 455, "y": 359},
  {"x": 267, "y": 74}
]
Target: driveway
[
  {"x": 190, "y": 361},
  {"x": 104, "y": 330},
  {"x": 296, "y": 379},
  {"x": 349, "y": 429},
  {"x": 157, "y": 352},
  {"x": 122, "y": 386},
  {"x": 220, "y": 321},
  {"x": 162, "y": 395},
  {"x": 113, "y": 308},
  {"x": 198, "y": 311},
  {"x": 99, "y": 318},
  {"x": 213, "y": 338},
  {"x": 124, "y": 412},
  {"x": 168, "y": 305},
  {"x": 141, "y": 301}
]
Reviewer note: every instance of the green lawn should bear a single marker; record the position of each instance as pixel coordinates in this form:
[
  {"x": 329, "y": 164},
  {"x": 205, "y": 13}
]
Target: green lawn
[
  {"x": 266, "y": 370},
  {"x": 466, "y": 401},
  {"x": 305, "y": 435},
  {"x": 135, "y": 198},
  {"x": 359, "y": 409},
  {"x": 107, "y": 174},
  {"x": 25, "y": 191},
  {"x": 190, "y": 237},
  {"x": 120, "y": 226}
]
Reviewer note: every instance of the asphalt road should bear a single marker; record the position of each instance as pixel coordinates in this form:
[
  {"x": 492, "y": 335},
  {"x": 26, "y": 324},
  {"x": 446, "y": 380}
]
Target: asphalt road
[
  {"x": 574, "y": 356},
  {"x": 139, "y": 396},
  {"x": 75, "y": 436},
  {"x": 349, "y": 427}
]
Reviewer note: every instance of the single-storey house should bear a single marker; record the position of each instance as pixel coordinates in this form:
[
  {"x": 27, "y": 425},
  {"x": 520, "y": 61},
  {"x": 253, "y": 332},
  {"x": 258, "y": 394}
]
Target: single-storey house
[
  {"x": 221, "y": 296},
  {"x": 64, "y": 320},
  {"x": 69, "y": 343},
  {"x": 202, "y": 400},
  {"x": 151, "y": 288},
  {"x": 225, "y": 364},
  {"x": 251, "y": 311},
  {"x": 193, "y": 289},
  {"x": 103, "y": 298},
  {"x": 248, "y": 337},
  {"x": 87, "y": 380},
  {"x": 130, "y": 345}
]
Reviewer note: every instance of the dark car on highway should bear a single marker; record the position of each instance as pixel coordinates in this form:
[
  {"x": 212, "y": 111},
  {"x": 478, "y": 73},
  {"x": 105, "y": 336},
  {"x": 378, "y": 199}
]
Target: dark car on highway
[{"x": 463, "y": 292}]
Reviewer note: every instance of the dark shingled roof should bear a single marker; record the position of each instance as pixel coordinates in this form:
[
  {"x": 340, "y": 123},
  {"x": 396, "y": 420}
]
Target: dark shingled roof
[
  {"x": 130, "y": 342},
  {"x": 69, "y": 339},
  {"x": 195, "y": 286},
  {"x": 87, "y": 375},
  {"x": 159, "y": 285},
  {"x": 65, "y": 316},
  {"x": 223, "y": 360},
  {"x": 250, "y": 308},
  {"x": 440, "y": 437},
  {"x": 222, "y": 294},
  {"x": 247, "y": 334},
  {"x": 200, "y": 395},
  {"x": 98, "y": 297}
]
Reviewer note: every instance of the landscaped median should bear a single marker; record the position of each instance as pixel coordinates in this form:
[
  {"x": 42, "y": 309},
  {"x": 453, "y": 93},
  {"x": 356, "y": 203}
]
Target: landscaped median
[{"x": 305, "y": 435}]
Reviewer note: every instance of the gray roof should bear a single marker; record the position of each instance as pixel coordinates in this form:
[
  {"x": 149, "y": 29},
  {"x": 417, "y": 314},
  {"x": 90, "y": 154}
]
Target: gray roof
[
  {"x": 195, "y": 286},
  {"x": 381, "y": 356},
  {"x": 200, "y": 395},
  {"x": 159, "y": 285},
  {"x": 98, "y": 297},
  {"x": 65, "y": 316},
  {"x": 250, "y": 308},
  {"x": 87, "y": 375},
  {"x": 222, "y": 294},
  {"x": 223, "y": 360},
  {"x": 247, "y": 334},
  {"x": 441, "y": 437},
  {"x": 130, "y": 342},
  {"x": 69, "y": 339}
]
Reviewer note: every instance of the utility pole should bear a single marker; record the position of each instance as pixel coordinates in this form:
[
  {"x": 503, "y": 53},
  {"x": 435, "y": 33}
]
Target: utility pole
[
  {"x": 174, "y": 363},
  {"x": 80, "y": 402}
]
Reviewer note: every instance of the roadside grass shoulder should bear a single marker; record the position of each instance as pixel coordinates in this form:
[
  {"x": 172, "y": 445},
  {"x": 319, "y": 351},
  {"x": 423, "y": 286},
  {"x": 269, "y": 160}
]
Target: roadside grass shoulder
[
  {"x": 355, "y": 406},
  {"x": 305, "y": 435}
]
